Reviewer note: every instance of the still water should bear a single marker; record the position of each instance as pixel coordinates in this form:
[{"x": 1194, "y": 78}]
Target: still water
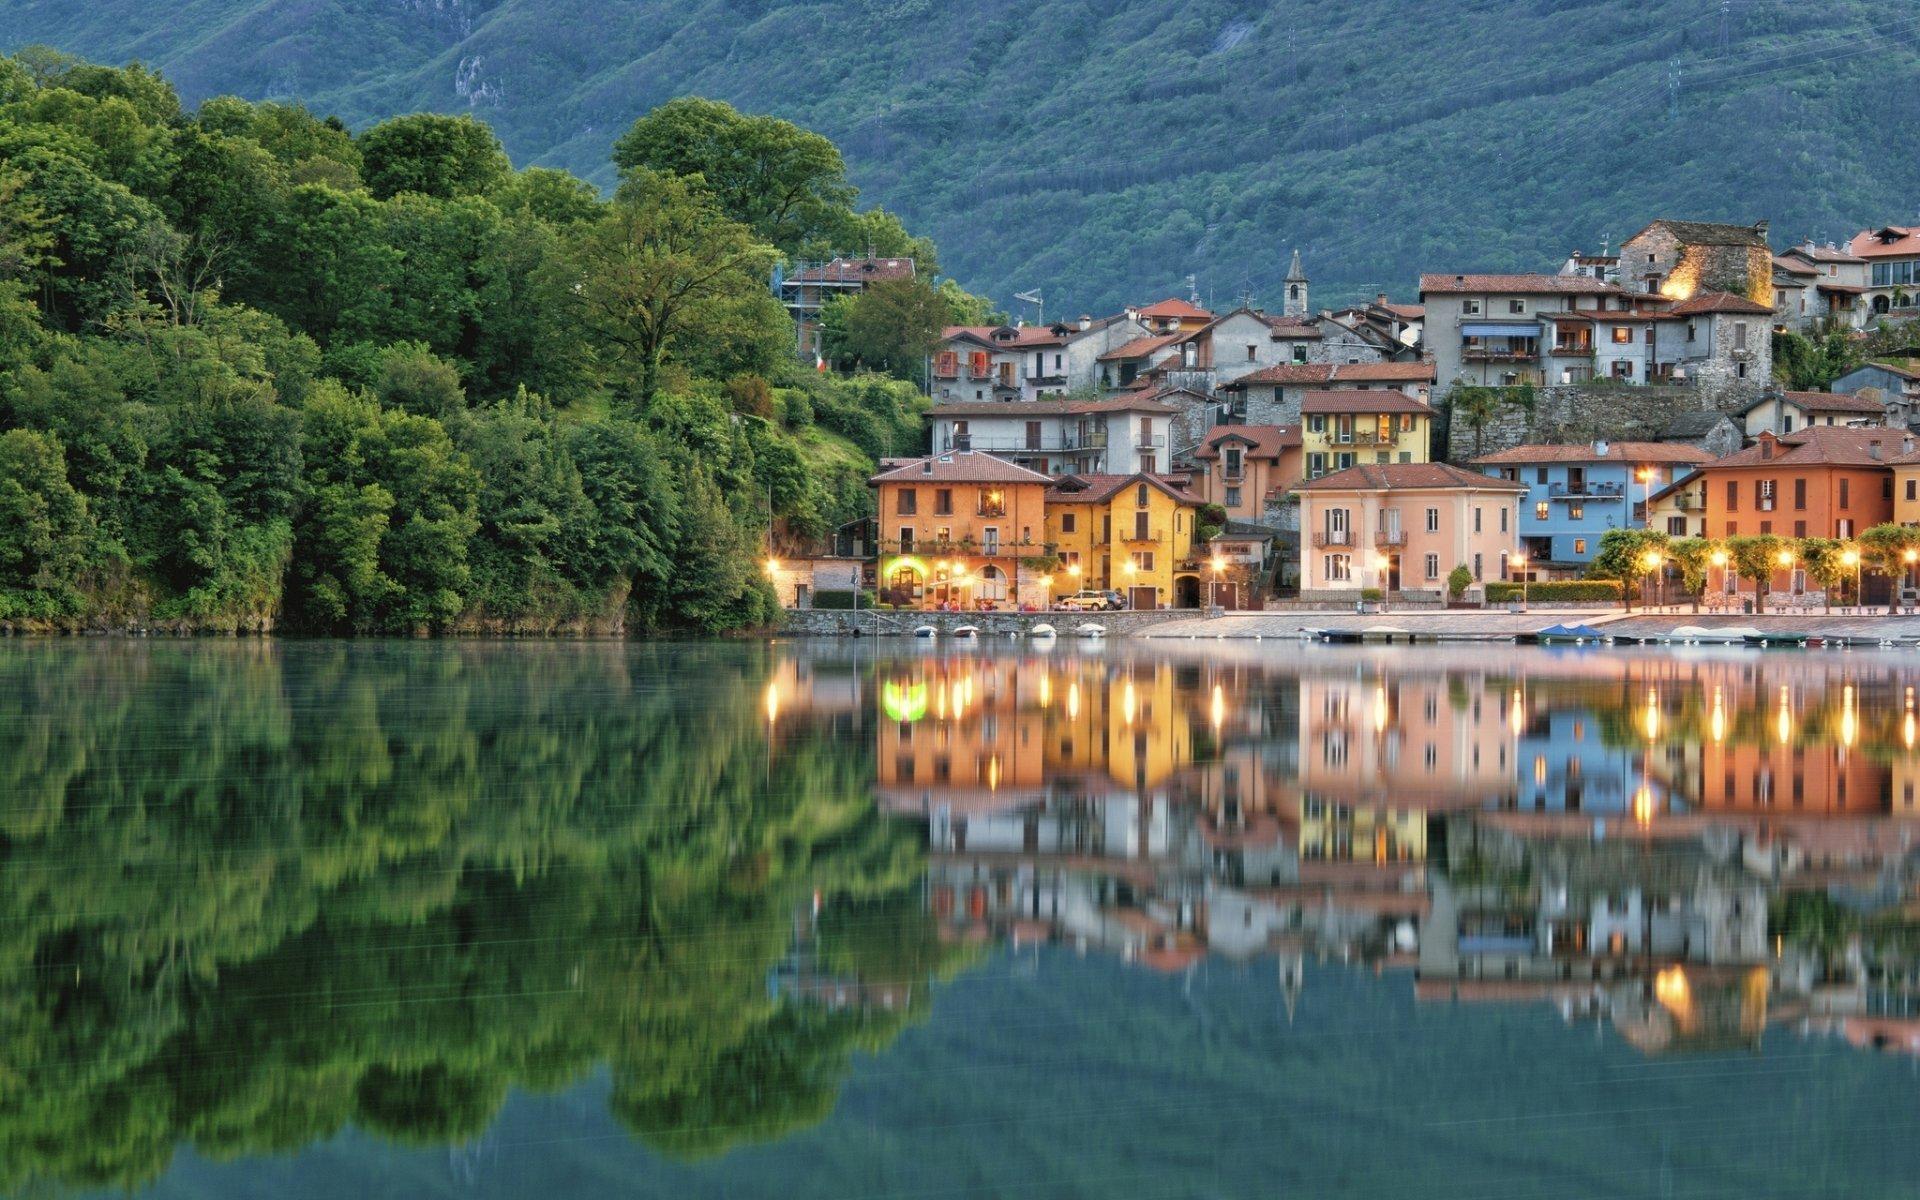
[{"x": 320, "y": 919}]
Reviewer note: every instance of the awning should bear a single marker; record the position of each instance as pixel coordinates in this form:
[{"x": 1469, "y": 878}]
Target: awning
[{"x": 1499, "y": 329}]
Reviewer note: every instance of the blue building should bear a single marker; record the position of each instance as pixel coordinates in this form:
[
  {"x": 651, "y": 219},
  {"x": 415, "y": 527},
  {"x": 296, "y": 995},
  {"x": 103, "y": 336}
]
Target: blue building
[{"x": 1576, "y": 493}]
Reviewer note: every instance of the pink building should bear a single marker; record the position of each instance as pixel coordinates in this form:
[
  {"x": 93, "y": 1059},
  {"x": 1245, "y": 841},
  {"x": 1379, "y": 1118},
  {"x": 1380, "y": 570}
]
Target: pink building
[{"x": 1403, "y": 527}]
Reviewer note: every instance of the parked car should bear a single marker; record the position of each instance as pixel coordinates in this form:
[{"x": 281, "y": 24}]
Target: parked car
[{"x": 1093, "y": 601}]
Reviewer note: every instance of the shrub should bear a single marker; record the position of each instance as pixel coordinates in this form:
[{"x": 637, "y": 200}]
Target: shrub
[
  {"x": 1459, "y": 580},
  {"x": 1575, "y": 590},
  {"x": 842, "y": 599},
  {"x": 1372, "y": 595}
]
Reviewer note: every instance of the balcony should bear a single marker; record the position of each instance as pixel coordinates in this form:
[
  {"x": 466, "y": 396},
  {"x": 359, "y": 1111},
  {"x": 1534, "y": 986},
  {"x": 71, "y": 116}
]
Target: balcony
[
  {"x": 1389, "y": 538},
  {"x": 1139, "y": 537},
  {"x": 1489, "y": 354},
  {"x": 1584, "y": 491},
  {"x": 964, "y": 548},
  {"x": 1142, "y": 442},
  {"x": 1041, "y": 381},
  {"x": 1325, "y": 538},
  {"x": 1573, "y": 349},
  {"x": 1364, "y": 437},
  {"x": 1045, "y": 444}
]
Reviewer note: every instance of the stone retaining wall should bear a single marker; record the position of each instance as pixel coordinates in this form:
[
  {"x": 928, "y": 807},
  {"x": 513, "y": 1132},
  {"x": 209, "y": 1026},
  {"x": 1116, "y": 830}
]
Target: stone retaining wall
[
  {"x": 815, "y": 622},
  {"x": 1577, "y": 413}
]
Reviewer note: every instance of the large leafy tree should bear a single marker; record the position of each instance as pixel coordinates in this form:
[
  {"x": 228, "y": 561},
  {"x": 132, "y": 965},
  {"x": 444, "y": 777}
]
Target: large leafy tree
[
  {"x": 785, "y": 183},
  {"x": 892, "y": 325},
  {"x": 663, "y": 262},
  {"x": 433, "y": 154}
]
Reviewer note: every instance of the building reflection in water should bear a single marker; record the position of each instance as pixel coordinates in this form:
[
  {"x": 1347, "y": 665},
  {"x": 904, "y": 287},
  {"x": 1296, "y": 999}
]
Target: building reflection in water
[{"x": 1690, "y": 848}]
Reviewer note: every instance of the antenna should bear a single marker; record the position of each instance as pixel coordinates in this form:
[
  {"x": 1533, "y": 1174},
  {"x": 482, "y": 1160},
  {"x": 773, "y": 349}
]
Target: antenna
[
  {"x": 1193, "y": 289},
  {"x": 1673, "y": 87},
  {"x": 1039, "y": 307}
]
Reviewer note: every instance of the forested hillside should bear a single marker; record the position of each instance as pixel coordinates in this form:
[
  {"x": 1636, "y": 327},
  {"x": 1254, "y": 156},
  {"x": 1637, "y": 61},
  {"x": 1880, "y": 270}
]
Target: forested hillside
[
  {"x": 1103, "y": 149},
  {"x": 258, "y": 372}
]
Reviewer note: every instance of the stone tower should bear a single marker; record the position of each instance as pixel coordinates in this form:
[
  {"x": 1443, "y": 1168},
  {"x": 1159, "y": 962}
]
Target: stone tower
[{"x": 1296, "y": 305}]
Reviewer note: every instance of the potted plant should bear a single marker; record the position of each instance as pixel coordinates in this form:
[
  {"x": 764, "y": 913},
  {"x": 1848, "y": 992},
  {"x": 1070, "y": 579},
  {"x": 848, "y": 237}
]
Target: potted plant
[{"x": 1371, "y": 599}]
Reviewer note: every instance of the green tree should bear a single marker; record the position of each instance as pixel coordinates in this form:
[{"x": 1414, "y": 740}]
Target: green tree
[
  {"x": 659, "y": 264},
  {"x": 1811, "y": 363},
  {"x": 1755, "y": 557},
  {"x": 1475, "y": 407},
  {"x": 45, "y": 531},
  {"x": 432, "y": 154},
  {"x": 893, "y": 325},
  {"x": 785, "y": 183}
]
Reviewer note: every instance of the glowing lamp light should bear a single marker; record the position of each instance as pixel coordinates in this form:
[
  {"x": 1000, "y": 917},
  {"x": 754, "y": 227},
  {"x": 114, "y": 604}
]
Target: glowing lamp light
[
  {"x": 1127, "y": 702},
  {"x": 903, "y": 702},
  {"x": 1651, "y": 560},
  {"x": 773, "y": 568},
  {"x": 1219, "y": 710},
  {"x": 1785, "y": 558},
  {"x": 1073, "y": 699},
  {"x": 1718, "y": 721},
  {"x": 1073, "y": 569},
  {"x": 1910, "y": 556},
  {"x": 1652, "y": 719},
  {"x": 1849, "y": 557},
  {"x": 1671, "y": 990},
  {"x": 773, "y": 703},
  {"x": 1046, "y": 582},
  {"x": 1517, "y": 714},
  {"x": 1849, "y": 720},
  {"x": 1783, "y": 720},
  {"x": 1219, "y": 564},
  {"x": 1718, "y": 558}
]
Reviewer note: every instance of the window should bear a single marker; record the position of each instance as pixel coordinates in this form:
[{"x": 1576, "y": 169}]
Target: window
[
  {"x": 1337, "y": 568},
  {"x": 1433, "y": 520},
  {"x": 1799, "y": 529},
  {"x": 993, "y": 503},
  {"x": 1844, "y": 489},
  {"x": 943, "y": 502},
  {"x": 1143, "y": 560},
  {"x": 1476, "y": 518},
  {"x": 1622, "y": 335},
  {"x": 906, "y": 539},
  {"x": 1503, "y": 518},
  {"x": 1067, "y": 522},
  {"x": 908, "y": 503},
  {"x": 1739, "y": 335},
  {"x": 1913, "y": 489},
  {"x": 1478, "y": 574},
  {"x": 1763, "y": 494},
  {"x": 1733, "y": 495},
  {"x": 1433, "y": 566},
  {"x": 1843, "y": 528},
  {"x": 1579, "y": 545},
  {"x": 1470, "y": 308},
  {"x": 1576, "y": 512},
  {"x": 1740, "y": 370},
  {"x": 1140, "y": 496},
  {"x": 1233, "y": 497},
  {"x": 1300, "y": 354},
  {"x": 1540, "y": 475},
  {"x": 1516, "y": 306},
  {"x": 1141, "y": 531},
  {"x": 1800, "y": 495},
  {"x": 1252, "y": 353},
  {"x": 1541, "y": 510},
  {"x": 1316, "y": 465},
  {"x": 1343, "y": 461},
  {"x": 1317, "y": 423},
  {"x": 1676, "y": 526}
]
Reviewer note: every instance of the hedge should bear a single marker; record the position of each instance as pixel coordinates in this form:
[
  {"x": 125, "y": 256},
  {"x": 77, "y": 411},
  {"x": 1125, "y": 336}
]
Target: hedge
[
  {"x": 841, "y": 599},
  {"x": 1559, "y": 589}
]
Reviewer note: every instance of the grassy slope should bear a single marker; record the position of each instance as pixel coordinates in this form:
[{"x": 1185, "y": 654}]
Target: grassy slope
[{"x": 1102, "y": 149}]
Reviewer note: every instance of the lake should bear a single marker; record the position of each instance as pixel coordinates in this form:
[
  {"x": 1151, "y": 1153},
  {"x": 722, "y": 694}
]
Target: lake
[{"x": 301, "y": 919}]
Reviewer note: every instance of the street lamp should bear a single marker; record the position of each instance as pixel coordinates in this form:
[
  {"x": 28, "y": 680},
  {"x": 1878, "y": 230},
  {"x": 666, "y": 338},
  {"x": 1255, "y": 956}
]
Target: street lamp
[
  {"x": 1718, "y": 559},
  {"x": 1131, "y": 568},
  {"x": 1785, "y": 559},
  {"x": 1909, "y": 556},
  {"x": 1645, "y": 476},
  {"x": 1219, "y": 566},
  {"x": 1519, "y": 564},
  {"x": 1850, "y": 557},
  {"x": 1651, "y": 562}
]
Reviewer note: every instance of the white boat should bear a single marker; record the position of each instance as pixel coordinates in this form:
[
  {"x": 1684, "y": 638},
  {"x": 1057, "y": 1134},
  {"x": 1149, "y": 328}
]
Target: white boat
[
  {"x": 1042, "y": 630},
  {"x": 966, "y": 632},
  {"x": 926, "y": 631},
  {"x": 1703, "y": 633},
  {"x": 1092, "y": 629}
]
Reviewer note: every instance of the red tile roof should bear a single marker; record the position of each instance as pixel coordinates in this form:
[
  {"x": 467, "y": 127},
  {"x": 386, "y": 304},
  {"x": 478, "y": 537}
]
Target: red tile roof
[
  {"x": 960, "y": 466},
  {"x": 1173, "y": 306},
  {"x": 1824, "y": 254},
  {"x": 1900, "y": 242},
  {"x": 1022, "y": 335},
  {"x": 1719, "y": 302},
  {"x": 1587, "y": 452},
  {"x": 1141, "y": 347},
  {"x": 851, "y": 270},
  {"x": 1837, "y": 402},
  {"x": 1380, "y": 372},
  {"x": 1526, "y": 284},
  {"x": 1095, "y": 489},
  {"x": 1818, "y": 446},
  {"x": 1406, "y": 312},
  {"x": 1792, "y": 266},
  {"x": 1293, "y": 327},
  {"x": 1406, "y": 476},
  {"x": 1358, "y": 400},
  {"x": 1268, "y": 441}
]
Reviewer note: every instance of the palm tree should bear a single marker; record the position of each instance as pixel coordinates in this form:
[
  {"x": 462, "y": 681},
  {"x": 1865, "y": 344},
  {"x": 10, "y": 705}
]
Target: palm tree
[{"x": 1476, "y": 406}]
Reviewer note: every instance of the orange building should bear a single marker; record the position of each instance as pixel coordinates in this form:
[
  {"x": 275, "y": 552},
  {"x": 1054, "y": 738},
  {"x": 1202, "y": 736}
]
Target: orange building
[
  {"x": 954, "y": 527},
  {"x": 1239, "y": 466},
  {"x": 1824, "y": 481}
]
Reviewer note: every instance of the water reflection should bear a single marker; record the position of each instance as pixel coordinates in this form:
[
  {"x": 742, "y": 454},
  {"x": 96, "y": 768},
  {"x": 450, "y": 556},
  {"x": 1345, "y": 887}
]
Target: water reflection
[{"x": 256, "y": 895}]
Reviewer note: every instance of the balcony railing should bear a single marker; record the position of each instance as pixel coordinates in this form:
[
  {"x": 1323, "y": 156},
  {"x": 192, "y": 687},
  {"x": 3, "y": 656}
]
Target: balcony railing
[
  {"x": 1142, "y": 442},
  {"x": 1135, "y": 535},
  {"x": 1573, "y": 349},
  {"x": 1485, "y": 355},
  {"x": 932, "y": 548},
  {"x": 1047, "y": 380},
  {"x": 1008, "y": 445},
  {"x": 1365, "y": 437},
  {"x": 1584, "y": 491},
  {"x": 1332, "y": 537},
  {"x": 1390, "y": 537}
]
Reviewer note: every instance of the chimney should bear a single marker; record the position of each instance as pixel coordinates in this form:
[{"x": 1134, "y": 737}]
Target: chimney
[
  {"x": 1760, "y": 227},
  {"x": 1086, "y": 321},
  {"x": 1381, "y": 299},
  {"x": 926, "y": 466},
  {"x": 1873, "y": 450},
  {"x": 1906, "y": 444},
  {"x": 1600, "y": 448},
  {"x": 1459, "y": 280}
]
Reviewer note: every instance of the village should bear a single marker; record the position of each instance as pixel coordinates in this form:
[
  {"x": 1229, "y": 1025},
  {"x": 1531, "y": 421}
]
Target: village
[{"x": 1608, "y": 431}]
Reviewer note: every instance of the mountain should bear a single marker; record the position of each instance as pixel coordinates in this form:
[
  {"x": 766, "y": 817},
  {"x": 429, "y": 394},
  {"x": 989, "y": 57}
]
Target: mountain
[{"x": 1102, "y": 150}]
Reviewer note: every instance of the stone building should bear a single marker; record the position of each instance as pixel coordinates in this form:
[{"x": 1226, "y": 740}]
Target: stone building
[
  {"x": 1273, "y": 396},
  {"x": 1682, "y": 259},
  {"x": 1296, "y": 283}
]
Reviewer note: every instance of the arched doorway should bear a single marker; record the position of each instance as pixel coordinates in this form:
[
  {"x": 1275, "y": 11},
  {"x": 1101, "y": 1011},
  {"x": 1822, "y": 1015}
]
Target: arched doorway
[
  {"x": 993, "y": 585},
  {"x": 1186, "y": 591},
  {"x": 904, "y": 580}
]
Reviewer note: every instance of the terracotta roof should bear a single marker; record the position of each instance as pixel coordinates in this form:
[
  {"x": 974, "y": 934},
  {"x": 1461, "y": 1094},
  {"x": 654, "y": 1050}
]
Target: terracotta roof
[
  {"x": 1616, "y": 316},
  {"x": 1406, "y": 312},
  {"x": 1292, "y": 327},
  {"x": 1525, "y": 284},
  {"x": 1719, "y": 302},
  {"x": 1395, "y": 476},
  {"x": 1096, "y": 489},
  {"x": 1380, "y": 372},
  {"x": 1905, "y": 368},
  {"x": 1006, "y": 335},
  {"x": 1835, "y": 402},
  {"x": 1047, "y": 408},
  {"x": 1792, "y": 266},
  {"x": 961, "y": 466},
  {"x": 850, "y": 270},
  {"x": 1817, "y": 445},
  {"x": 1902, "y": 242},
  {"x": 1588, "y": 452},
  {"x": 1357, "y": 400},
  {"x": 1141, "y": 347},
  {"x": 1850, "y": 289},
  {"x": 1267, "y": 441},
  {"x": 1708, "y": 233},
  {"x": 1173, "y": 306}
]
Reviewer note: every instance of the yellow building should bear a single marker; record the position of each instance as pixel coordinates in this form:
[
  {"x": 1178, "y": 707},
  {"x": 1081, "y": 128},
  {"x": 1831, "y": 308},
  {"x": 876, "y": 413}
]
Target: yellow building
[
  {"x": 1358, "y": 426},
  {"x": 1129, "y": 533},
  {"x": 1906, "y": 488},
  {"x": 1680, "y": 508}
]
